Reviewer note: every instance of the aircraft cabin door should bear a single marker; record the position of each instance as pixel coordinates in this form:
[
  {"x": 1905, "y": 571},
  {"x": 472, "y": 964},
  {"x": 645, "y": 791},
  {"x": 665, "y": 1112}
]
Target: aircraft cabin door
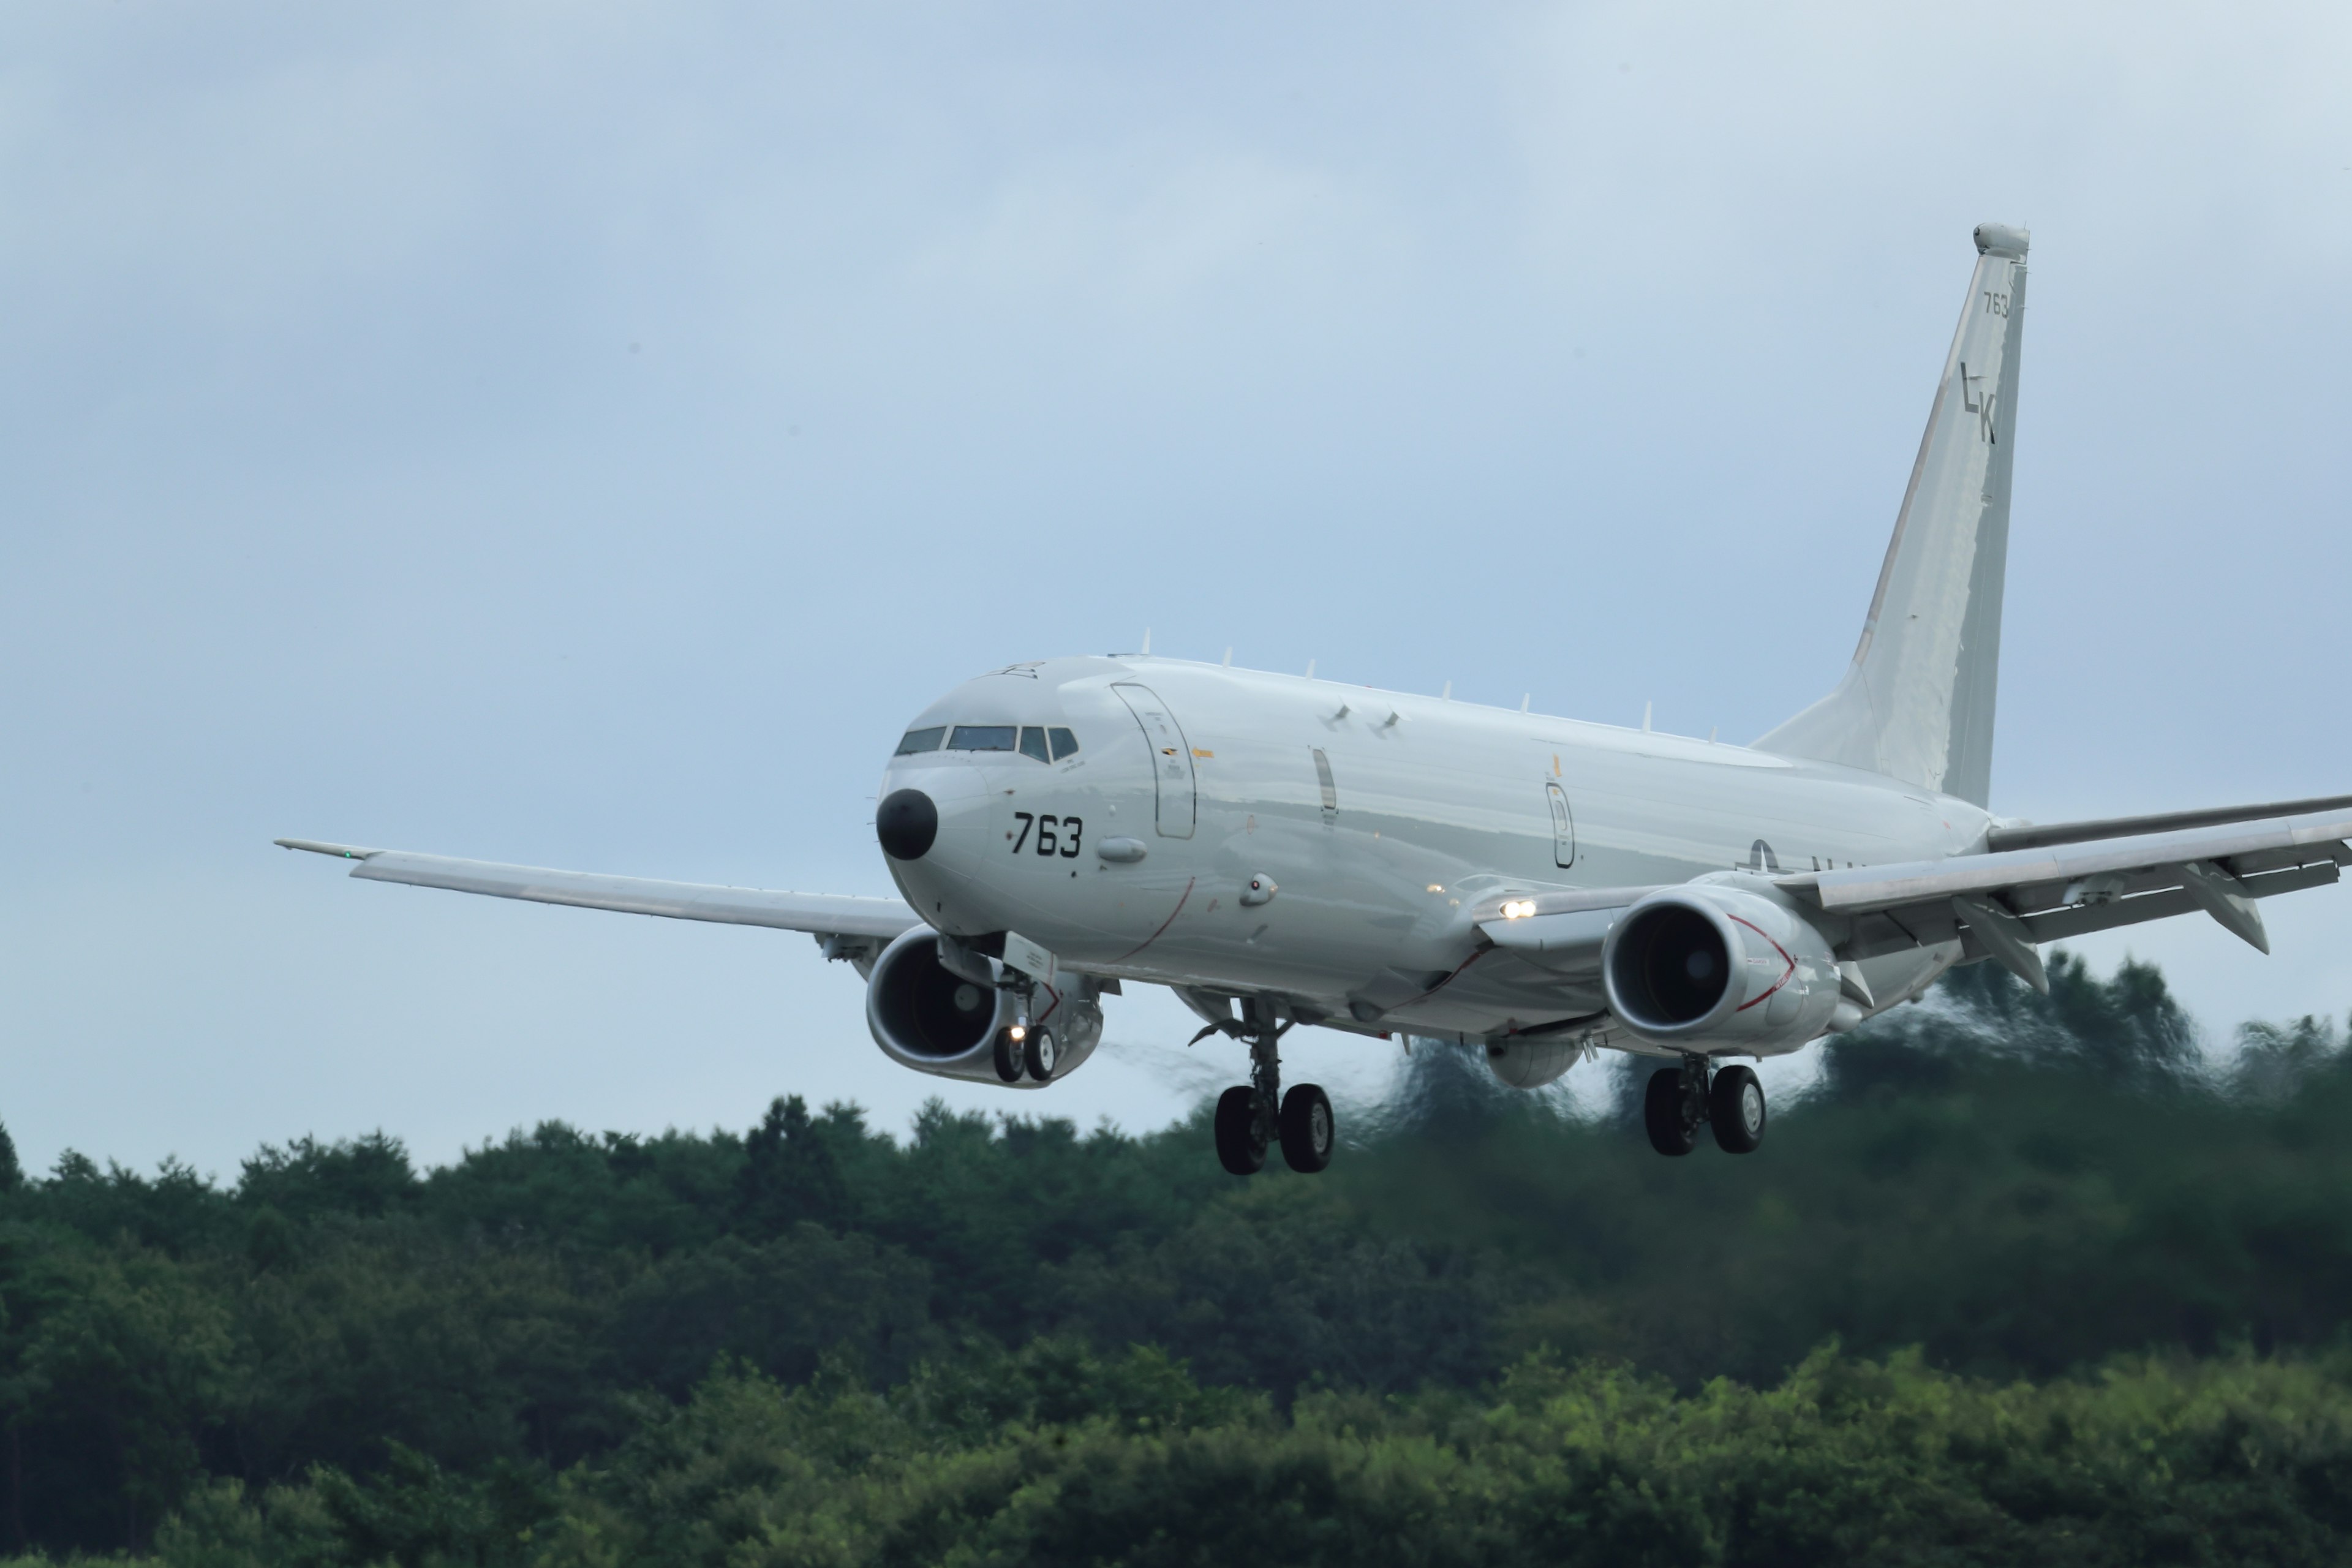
[
  {"x": 1171, "y": 760},
  {"x": 1563, "y": 826}
]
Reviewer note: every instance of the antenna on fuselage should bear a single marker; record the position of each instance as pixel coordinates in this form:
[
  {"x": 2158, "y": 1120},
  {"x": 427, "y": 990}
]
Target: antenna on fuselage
[
  {"x": 1530, "y": 696},
  {"x": 1645, "y": 718},
  {"x": 1229, "y": 658},
  {"x": 1147, "y": 639}
]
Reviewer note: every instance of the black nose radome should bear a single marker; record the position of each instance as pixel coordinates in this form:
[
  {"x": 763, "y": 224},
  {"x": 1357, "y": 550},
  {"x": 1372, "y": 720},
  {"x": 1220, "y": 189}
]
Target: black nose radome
[{"x": 907, "y": 824}]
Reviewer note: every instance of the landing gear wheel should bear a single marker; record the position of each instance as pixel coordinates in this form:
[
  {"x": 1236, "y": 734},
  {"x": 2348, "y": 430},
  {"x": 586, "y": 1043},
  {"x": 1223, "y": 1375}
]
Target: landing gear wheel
[
  {"x": 1662, "y": 1113},
  {"x": 1241, "y": 1147},
  {"x": 1308, "y": 1132},
  {"x": 1040, "y": 1053},
  {"x": 1008, "y": 1056},
  {"x": 1734, "y": 1106}
]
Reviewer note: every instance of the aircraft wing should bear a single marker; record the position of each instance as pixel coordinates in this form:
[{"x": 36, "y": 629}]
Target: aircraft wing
[
  {"x": 1560, "y": 930},
  {"x": 2001, "y": 905},
  {"x": 2039, "y": 835},
  {"x": 868, "y": 921}
]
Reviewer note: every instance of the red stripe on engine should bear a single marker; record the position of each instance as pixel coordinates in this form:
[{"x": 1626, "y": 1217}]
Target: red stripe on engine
[{"x": 1785, "y": 973}]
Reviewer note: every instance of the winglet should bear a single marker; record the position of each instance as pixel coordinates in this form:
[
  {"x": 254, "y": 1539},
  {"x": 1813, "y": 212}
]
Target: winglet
[{"x": 340, "y": 851}]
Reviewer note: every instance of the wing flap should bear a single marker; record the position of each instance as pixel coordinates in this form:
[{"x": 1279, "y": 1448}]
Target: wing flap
[
  {"x": 822, "y": 914},
  {"x": 2272, "y": 844},
  {"x": 2082, "y": 920},
  {"x": 1994, "y": 903}
]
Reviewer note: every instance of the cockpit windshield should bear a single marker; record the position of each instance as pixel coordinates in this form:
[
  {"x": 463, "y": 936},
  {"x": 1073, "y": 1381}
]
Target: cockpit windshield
[{"x": 1037, "y": 742}]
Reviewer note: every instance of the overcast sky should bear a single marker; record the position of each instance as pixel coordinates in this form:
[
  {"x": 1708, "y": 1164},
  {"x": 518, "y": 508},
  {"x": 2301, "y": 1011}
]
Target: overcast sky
[{"x": 582, "y": 434}]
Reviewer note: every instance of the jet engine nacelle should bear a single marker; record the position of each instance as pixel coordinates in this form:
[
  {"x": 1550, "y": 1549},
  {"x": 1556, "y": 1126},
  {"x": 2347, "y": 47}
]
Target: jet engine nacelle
[
  {"x": 1705, "y": 965},
  {"x": 929, "y": 1018}
]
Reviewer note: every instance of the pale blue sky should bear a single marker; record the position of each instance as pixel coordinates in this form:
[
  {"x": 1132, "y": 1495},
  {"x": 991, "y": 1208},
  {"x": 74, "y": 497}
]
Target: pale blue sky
[{"x": 582, "y": 434}]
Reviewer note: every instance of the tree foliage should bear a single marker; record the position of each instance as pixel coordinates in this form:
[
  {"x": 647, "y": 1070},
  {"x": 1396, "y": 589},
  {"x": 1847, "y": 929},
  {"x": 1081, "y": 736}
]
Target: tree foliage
[{"x": 2019, "y": 1277}]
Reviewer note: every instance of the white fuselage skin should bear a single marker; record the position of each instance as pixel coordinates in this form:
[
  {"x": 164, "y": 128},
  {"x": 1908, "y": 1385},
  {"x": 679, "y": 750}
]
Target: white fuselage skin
[{"x": 1430, "y": 811}]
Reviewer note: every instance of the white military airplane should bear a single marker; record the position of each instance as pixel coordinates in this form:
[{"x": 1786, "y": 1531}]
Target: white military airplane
[{"x": 1283, "y": 850}]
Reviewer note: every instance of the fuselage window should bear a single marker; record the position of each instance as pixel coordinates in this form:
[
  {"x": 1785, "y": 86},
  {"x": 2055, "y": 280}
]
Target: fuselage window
[
  {"x": 982, "y": 738},
  {"x": 922, "y": 741},
  {"x": 1065, "y": 742},
  {"x": 1032, "y": 743}
]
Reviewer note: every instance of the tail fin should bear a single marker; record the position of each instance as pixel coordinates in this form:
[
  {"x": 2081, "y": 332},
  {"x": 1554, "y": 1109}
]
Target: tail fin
[{"x": 1917, "y": 704}]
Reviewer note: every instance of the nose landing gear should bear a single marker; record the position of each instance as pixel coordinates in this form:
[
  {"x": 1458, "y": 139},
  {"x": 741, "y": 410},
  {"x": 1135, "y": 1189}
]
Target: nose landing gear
[
  {"x": 1252, "y": 1117},
  {"x": 1040, "y": 1053},
  {"x": 1027, "y": 1051},
  {"x": 1679, "y": 1100}
]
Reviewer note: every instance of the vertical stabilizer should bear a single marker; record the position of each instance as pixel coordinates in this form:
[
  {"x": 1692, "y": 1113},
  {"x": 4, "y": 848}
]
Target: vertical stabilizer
[{"x": 1917, "y": 704}]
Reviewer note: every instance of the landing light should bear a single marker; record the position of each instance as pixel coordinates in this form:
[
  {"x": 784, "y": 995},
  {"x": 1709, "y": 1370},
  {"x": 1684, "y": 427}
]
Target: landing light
[
  {"x": 1518, "y": 909},
  {"x": 1019, "y": 1032}
]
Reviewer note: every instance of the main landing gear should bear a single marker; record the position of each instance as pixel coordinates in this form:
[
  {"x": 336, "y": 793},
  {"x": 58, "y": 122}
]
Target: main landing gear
[
  {"x": 1251, "y": 1117},
  {"x": 1679, "y": 1100}
]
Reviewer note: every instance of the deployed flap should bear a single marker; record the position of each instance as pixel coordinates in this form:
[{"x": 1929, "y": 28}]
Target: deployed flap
[
  {"x": 825, "y": 914},
  {"x": 1917, "y": 702},
  {"x": 1883, "y": 886},
  {"x": 2071, "y": 889}
]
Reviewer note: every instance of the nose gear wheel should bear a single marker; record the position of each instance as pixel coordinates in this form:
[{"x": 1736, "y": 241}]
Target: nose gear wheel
[{"x": 1040, "y": 1054}]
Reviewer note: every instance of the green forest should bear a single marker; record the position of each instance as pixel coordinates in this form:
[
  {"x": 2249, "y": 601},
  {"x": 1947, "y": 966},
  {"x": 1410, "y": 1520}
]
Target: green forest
[{"x": 2018, "y": 1279}]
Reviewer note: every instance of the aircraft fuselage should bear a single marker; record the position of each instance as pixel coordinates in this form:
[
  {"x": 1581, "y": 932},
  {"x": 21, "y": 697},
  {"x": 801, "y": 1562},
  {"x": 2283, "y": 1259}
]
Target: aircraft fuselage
[{"x": 1371, "y": 823}]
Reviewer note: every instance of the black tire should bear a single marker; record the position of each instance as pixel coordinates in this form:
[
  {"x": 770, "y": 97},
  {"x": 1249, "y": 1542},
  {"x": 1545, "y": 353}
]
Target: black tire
[
  {"x": 1662, "y": 1113},
  {"x": 1009, "y": 1064},
  {"x": 1040, "y": 1054},
  {"x": 1734, "y": 1106},
  {"x": 1309, "y": 1133},
  {"x": 1241, "y": 1148}
]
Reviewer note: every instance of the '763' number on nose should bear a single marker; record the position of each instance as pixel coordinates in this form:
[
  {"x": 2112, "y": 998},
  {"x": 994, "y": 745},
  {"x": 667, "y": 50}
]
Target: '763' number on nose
[{"x": 1055, "y": 834}]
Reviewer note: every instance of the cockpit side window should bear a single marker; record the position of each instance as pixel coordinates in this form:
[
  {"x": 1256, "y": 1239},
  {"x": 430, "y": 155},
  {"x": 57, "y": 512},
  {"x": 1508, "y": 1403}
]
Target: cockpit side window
[
  {"x": 982, "y": 738},
  {"x": 922, "y": 741},
  {"x": 1065, "y": 742},
  {"x": 1032, "y": 743}
]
